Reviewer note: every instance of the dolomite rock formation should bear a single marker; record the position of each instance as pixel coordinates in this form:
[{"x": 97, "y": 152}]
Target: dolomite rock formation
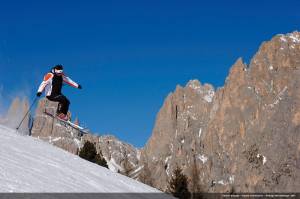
[
  {"x": 121, "y": 157},
  {"x": 53, "y": 131},
  {"x": 243, "y": 137}
]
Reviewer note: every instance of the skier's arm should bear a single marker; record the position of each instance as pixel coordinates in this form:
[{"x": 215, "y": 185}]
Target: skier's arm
[
  {"x": 47, "y": 79},
  {"x": 69, "y": 81}
]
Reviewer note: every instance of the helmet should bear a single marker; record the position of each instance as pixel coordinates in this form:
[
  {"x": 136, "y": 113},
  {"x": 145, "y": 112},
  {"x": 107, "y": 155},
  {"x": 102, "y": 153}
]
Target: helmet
[{"x": 58, "y": 69}]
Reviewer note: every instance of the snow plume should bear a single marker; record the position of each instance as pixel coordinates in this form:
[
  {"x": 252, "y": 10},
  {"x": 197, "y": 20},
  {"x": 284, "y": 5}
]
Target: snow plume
[
  {"x": 13, "y": 107},
  {"x": 1, "y": 101},
  {"x": 15, "y": 114}
]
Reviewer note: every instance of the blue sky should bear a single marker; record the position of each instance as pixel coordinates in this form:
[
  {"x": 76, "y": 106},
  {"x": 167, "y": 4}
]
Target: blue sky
[{"x": 128, "y": 55}]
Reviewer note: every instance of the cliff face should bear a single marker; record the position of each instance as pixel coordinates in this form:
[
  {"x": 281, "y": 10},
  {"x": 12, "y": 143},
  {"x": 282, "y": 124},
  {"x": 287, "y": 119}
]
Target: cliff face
[
  {"x": 243, "y": 137},
  {"x": 176, "y": 136},
  {"x": 120, "y": 156},
  {"x": 49, "y": 129}
]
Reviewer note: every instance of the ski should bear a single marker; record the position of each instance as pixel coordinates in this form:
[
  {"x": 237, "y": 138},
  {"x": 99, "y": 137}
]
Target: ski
[{"x": 75, "y": 126}]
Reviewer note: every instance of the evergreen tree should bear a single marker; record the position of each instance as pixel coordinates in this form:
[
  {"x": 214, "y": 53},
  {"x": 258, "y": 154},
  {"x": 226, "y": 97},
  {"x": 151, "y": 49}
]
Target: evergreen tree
[
  {"x": 100, "y": 160},
  {"x": 88, "y": 151},
  {"x": 178, "y": 185}
]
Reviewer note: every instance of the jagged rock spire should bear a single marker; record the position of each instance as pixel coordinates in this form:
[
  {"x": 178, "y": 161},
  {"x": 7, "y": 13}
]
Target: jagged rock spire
[{"x": 246, "y": 139}]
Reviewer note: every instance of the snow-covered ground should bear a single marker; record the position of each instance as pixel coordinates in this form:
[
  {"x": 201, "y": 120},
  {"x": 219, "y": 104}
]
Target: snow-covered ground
[{"x": 30, "y": 165}]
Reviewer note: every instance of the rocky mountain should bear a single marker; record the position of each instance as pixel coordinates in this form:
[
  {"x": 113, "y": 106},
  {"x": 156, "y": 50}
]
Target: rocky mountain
[
  {"x": 121, "y": 157},
  {"x": 243, "y": 137}
]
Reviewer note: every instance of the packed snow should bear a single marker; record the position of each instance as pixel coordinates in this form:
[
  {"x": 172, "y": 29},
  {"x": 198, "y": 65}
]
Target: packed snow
[
  {"x": 279, "y": 97},
  {"x": 200, "y": 131},
  {"x": 282, "y": 38},
  {"x": 167, "y": 159},
  {"x": 195, "y": 84},
  {"x": 168, "y": 164},
  {"x": 226, "y": 182},
  {"x": 294, "y": 37},
  {"x": 222, "y": 182},
  {"x": 113, "y": 166},
  {"x": 28, "y": 164},
  {"x": 209, "y": 97},
  {"x": 264, "y": 158},
  {"x": 208, "y": 94},
  {"x": 203, "y": 158}
]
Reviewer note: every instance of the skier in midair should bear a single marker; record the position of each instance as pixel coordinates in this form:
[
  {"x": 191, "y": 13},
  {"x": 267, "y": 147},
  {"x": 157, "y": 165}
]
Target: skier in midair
[{"x": 52, "y": 84}]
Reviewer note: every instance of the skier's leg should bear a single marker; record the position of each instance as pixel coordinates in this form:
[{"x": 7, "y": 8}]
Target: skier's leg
[{"x": 63, "y": 105}]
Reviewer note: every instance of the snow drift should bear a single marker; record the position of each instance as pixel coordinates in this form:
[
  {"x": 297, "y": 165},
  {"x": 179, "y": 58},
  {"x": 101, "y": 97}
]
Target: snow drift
[{"x": 31, "y": 165}]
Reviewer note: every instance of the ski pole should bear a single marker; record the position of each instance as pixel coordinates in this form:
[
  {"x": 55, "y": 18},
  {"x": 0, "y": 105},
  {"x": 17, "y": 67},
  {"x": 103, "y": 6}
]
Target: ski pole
[{"x": 27, "y": 113}]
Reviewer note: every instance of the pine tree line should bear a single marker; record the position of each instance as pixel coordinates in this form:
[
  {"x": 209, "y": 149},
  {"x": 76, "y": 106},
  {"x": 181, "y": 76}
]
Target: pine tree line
[
  {"x": 178, "y": 184},
  {"x": 89, "y": 153}
]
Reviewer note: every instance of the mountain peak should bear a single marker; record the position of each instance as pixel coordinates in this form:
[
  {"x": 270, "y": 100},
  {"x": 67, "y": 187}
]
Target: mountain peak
[
  {"x": 232, "y": 142},
  {"x": 194, "y": 84},
  {"x": 293, "y": 37}
]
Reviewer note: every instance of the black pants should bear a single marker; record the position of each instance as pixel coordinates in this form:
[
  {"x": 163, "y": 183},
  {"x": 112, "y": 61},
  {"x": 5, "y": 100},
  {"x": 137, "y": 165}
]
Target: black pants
[{"x": 63, "y": 105}]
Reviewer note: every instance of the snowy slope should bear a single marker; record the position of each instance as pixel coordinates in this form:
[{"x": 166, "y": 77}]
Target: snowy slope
[{"x": 30, "y": 165}]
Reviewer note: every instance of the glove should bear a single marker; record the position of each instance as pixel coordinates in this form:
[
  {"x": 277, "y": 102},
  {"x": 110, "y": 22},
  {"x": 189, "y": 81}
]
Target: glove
[
  {"x": 39, "y": 94},
  {"x": 79, "y": 86}
]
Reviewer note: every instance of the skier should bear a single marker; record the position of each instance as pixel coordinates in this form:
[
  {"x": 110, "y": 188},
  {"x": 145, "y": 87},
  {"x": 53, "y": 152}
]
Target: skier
[{"x": 52, "y": 84}]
